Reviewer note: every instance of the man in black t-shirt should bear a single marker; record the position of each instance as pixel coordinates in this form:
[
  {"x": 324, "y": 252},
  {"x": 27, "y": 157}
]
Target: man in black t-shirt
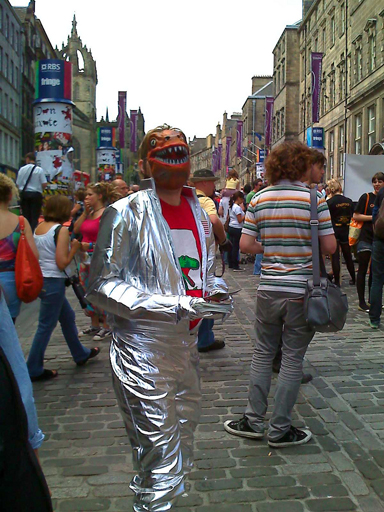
[
  {"x": 377, "y": 269},
  {"x": 363, "y": 213}
]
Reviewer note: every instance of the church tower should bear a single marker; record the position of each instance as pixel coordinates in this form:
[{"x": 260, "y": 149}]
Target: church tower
[{"x": 84, "y": 82}]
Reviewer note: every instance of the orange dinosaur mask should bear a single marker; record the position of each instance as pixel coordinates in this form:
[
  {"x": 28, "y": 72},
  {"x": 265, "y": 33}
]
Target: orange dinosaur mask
[{"x": 167, "y": 153}]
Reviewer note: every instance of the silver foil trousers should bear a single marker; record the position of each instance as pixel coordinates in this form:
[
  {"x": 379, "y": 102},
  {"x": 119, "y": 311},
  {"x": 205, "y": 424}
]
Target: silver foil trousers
[{"x": 159, "y": 397}]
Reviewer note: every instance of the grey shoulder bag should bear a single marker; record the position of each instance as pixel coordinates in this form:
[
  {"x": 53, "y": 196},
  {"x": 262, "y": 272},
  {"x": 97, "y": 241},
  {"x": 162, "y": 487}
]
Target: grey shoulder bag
[{"x": 325, "y": 305}]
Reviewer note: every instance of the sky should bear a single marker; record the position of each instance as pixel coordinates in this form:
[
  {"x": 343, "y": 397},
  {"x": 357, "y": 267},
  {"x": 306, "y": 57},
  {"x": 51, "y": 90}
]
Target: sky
[{"x": 184, "y": 63}]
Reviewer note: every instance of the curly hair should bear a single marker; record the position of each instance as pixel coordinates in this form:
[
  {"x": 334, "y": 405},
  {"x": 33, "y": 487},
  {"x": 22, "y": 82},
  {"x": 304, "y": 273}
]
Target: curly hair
[
  {"x": 334, "y": 186},
  {"x": 8, "y": 189},
  {"x": 108, "y": 191},
  {"x": 290, "y": 161}
]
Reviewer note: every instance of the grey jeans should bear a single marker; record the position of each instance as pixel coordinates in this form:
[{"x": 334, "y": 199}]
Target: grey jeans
[{"x": 279, "y": 315}]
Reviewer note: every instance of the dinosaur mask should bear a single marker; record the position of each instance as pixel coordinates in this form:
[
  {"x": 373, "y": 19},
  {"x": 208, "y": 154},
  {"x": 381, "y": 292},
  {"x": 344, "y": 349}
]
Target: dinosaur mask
[{"x": 168, "y": 158}]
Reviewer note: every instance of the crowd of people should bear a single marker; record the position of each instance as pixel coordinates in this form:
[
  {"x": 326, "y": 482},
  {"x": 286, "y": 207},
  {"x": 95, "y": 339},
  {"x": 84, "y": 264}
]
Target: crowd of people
[{"x": 147, "y": 260}]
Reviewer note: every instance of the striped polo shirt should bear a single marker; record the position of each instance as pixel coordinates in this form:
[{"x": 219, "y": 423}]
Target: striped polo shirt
[{"x": 281, "y": 214}]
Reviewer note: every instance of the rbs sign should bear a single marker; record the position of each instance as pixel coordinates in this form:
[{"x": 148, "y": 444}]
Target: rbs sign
[{"x": 53, "y": 80}]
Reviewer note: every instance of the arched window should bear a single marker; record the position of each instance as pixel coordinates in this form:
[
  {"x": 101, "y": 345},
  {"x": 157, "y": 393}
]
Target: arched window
[{"x": 80, "y": 60}]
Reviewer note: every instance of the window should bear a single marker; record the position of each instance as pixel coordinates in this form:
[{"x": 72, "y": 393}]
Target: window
[
  {"x": 332, "y": 30},
  {"x": 6, "y": 64},
  {"x": 5, "y": 147},
  {"x": 371, "y": 127},
  {"x": 6, "y": 26},
  {"x": 1, "y": 17},
  {"x": 282, "y": 121},
  {"x": 372, "y": 51},
  {"x": 316, "y": 45},
  {"x": 11, "y": 111},
  {"x": 12, "y": 34},
  {"x": 324, "y": 38},
  {"x": 11, "y": 72},
  {"x": 341, "y": 150},
  {"x": 16, "y": 77},
  {"x": 359, "y": 64},
  {"x": 342, "y": 18},
  {"x": 1, "y": 99},
  {"x": 1, "y": 59},
  {"x": 303, "y": 66},
  {"x": 283, "y": 72},
  {"x": 6, "y": 106},
  {"x": 358, "y": 134},
  {"x": 331, "y": 153},
  {"x": 332, "y": 89}
]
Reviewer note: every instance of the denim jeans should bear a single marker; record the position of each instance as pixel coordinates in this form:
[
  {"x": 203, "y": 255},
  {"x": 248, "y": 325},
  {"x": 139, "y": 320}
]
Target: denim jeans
[
  {"x": 54, "y": 307},
  {"x": 279, "y": 316},
  {"x": 376, "y": 296},
  {"x": 257, "y": 267},
  {"x": 206, "y": 336},
  {"x": 10, "y": 344}
]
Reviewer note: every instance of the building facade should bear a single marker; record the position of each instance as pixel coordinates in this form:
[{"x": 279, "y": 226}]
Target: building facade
[
  {"x": 350, "y": 35},
  {"x": 11, "y": 58}
]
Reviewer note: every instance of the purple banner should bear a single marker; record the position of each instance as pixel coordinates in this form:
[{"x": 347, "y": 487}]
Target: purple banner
[
  {"x": 121, "y": 117},
  {"x": 214, "y": 160},
  {"x": 219, "y": 153},
  {"x": 239, "y": 139},
  {"x": 134, "y": 116},
  {"x": 268, "y": 119},
  {"x": 228, "y": 151},
  {"x": 316, "y": 67}
]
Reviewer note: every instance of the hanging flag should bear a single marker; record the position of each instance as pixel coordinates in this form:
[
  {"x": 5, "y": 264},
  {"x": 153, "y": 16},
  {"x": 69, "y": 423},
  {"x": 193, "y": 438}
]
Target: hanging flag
[
  {"x": 316, "y": 68},
  {"x": 219, "y": 153},
  {"x": 122, "y": 103},
  {"x": 268, "y": 119},
  {"x": 214, "y": 160},
  {"x": 239, "y": 139},
  {"x": 134, "y": 117},
  {"x": 228, "y": 151}
]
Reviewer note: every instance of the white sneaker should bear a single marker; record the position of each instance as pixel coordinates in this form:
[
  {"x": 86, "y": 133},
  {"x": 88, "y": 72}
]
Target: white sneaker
[
  {"x": 89, "y": 331},
  {"x": 102, "y": 334}
]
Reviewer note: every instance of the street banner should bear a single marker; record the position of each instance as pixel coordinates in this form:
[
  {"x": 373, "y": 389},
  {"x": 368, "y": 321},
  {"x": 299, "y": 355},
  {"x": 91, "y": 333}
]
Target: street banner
[
  {"x": 122, "y": 104},
  {"x": 53, "y": 80},
  {"x": 315, "y": 137},
  {"x": 219, "y": 156},
  {"x": 106, "y": 137},
  {"x": 268, "y": 120},
  {"x": 134, "y": 117},
  {"x": 228, "y": 151},
  {"x": 214, "y": 160},
  {"x": 239, "y": 139},
  {"x": 316, "y": 67}
]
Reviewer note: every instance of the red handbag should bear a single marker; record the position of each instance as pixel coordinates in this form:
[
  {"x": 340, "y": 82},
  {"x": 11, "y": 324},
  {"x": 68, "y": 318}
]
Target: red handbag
[{"x": 28, "y": 275}]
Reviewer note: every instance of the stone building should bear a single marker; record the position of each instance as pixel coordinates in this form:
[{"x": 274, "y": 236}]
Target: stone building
[
  {"x": 253, "y": 117},
  {"x": 11, "y": 55},
  {"x": 84, "y": 95},
  {"x": 286, "y": 78},
  {"x": 350, "y": 35},
  {"x": 201, "y": 152}
]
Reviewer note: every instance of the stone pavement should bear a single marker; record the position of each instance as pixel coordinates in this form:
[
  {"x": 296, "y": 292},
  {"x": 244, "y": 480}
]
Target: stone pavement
[{"x": 86, "y": 456}]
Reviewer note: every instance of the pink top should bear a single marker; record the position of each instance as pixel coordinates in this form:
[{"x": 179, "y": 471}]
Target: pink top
[{"x": 90, "y": 229}]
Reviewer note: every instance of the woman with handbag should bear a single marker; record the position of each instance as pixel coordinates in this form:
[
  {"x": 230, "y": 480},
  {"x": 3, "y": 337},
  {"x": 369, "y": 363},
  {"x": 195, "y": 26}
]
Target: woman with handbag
[
  {"x": 236, "y": 221},
  {"x": 363, "y": 214},
  {"x": 97, "y": 197},
  {"x": 54, "y": 256},
  {"x": 9, "y": 240}
]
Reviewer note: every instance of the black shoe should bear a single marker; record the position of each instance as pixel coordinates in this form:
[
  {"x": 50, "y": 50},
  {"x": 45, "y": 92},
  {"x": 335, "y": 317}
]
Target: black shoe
[
  {"x": 352, "y": 282},
  {"x": 307, "y": 377},
  {"x": 216, "y": 345},
  {"x": 276, "y": 367},
  {"x": 242, "y": 428},
  {"x": 364, "y": 308},
  {"x": 293, "y": 437},
  {"x": 93, "y": 353}
]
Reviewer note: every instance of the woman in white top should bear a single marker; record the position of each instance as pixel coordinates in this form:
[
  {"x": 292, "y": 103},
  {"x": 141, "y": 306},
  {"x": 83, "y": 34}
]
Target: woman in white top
[
  {"x": 55, "y": 254},
  {"x": 236, "y": 221}
]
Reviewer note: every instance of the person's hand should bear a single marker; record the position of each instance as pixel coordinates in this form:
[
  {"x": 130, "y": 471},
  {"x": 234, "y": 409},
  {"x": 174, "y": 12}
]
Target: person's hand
[
  {"x": 87, "y": 208},
  {"x": 226, "y": 246},
  {"x": 75, "y": 244},
  {"x": 84, "y": 246}
]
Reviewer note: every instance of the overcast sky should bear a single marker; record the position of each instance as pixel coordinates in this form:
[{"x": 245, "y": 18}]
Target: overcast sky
[{"x": 183, "y": 63}]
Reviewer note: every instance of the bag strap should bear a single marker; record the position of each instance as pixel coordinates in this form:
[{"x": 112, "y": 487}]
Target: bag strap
[
  {"x": 315, "y": 238},
  {"x": 21, "y": 224},
  {"x": 29, "y": 177},
  {"x": 366, "y": 204},
  {"x": 56, "y": 235}
]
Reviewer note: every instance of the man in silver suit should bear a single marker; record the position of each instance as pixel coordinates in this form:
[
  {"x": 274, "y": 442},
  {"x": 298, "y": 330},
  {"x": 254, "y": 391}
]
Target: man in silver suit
[{"x": 153, "y": 273}]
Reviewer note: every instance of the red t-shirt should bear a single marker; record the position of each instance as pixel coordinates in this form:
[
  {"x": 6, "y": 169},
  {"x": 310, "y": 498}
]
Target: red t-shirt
[
  {"x": 187, "y": 244},
  {"x": 90, "y": 229}
]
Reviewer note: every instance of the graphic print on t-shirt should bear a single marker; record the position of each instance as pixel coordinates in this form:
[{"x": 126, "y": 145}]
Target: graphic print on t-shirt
[{"x": 188, "y": 256}]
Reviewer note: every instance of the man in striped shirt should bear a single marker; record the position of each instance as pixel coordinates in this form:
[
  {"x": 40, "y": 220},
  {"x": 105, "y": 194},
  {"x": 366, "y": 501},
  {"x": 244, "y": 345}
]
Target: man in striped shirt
[{"x": 280, "y": 214}]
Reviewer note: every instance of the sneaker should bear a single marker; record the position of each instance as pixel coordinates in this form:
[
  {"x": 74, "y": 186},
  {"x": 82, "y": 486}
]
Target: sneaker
[
  {"x": 239, "y": 269},
  {"x": 102, "y": 334},
  {"x": 293, "y": 437},
  {"x": 364, "y": 308},
  {"x": 373, "y": 325},
  {"x": 242, "y": 428},
  {"x": 89, "y": 331},
  {"x": 216, "y": 345}
]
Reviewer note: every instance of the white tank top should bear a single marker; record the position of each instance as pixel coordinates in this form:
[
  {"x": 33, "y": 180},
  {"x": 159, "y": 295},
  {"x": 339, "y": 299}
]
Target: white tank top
[{"x": 47, "y": 253}]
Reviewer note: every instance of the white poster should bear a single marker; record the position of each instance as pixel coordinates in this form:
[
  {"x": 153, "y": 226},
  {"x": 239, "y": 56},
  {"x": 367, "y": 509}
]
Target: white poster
[
  {"x": 359, "y": 170},
  {"x": 53, "y": 117}
]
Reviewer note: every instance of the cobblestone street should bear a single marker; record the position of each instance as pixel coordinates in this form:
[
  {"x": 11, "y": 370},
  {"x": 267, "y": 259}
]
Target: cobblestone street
[{"x": 86, "y": 456}]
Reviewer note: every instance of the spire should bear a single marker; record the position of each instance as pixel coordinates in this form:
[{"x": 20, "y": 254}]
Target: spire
[
  {"x": 74, "y": 27},
  {"x": 106, "y": 116}
]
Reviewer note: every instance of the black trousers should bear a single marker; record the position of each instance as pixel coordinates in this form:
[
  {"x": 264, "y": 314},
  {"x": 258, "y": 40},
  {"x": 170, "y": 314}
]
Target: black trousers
[
  {"x": 31, "y": 203},
  {"x": 233, "y": 255}
]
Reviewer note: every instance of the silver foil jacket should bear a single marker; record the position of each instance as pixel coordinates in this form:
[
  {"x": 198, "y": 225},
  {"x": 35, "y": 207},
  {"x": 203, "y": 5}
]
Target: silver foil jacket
[{"x": 136, "y": 278}]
